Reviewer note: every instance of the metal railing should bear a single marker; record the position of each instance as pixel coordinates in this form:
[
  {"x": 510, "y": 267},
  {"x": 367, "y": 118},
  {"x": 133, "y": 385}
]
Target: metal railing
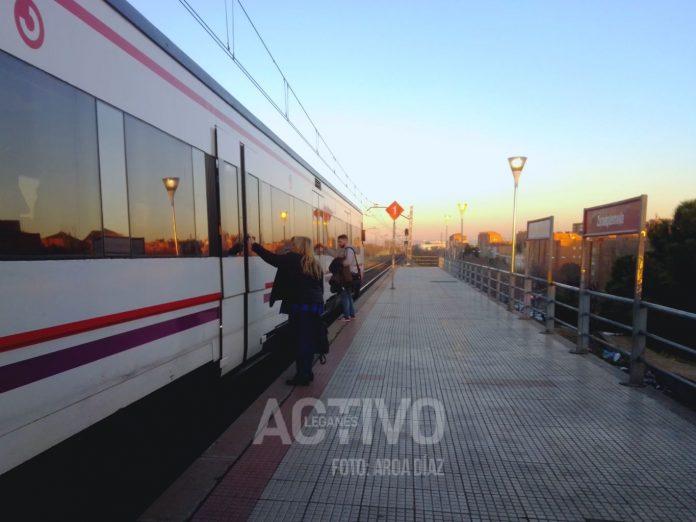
[{"x": 536, "y": 298}]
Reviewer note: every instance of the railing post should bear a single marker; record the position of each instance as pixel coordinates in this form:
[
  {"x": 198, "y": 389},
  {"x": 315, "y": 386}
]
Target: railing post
[
  {"x": 583, "y": 323},
  {"x": 550, "y": 308},
  {"x": 489, "y": 288},
  {"x": 527, "y": 310},
  {"x": 497, "y": 285},
  {"x": 511, "y": 292},
  {"x": 640, "y": 326}
]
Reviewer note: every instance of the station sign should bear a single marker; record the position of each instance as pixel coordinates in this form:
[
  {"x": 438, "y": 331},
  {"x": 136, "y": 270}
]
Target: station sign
[
  {"x": 540, "y": 228},
  {"x": 394, "y": 210},
  {"x": 621, "y": 217}
]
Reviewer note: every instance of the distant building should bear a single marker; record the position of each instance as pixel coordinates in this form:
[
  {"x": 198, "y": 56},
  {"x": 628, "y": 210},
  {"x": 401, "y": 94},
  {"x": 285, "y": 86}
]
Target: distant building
[
  {"x": 577, "y": 228},
  {"x": 458, "y": 238},
  {"x": 491, "y": 244},
  {"x": 486, "y": 238},
  {"x": 567, "y": 249},
  {"x": 433, "y": 245}
]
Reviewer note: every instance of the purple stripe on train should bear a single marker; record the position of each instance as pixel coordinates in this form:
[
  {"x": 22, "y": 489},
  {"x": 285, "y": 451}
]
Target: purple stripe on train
[{"x": 31, "y": 370}]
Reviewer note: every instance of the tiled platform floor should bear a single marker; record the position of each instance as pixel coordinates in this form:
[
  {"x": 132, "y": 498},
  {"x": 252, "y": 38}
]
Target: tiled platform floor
[{"x": 531, "y": 431}]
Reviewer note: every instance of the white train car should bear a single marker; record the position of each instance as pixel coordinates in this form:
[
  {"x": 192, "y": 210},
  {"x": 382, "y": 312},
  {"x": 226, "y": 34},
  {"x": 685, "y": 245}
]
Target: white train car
[{"x": 126, "y": 176}]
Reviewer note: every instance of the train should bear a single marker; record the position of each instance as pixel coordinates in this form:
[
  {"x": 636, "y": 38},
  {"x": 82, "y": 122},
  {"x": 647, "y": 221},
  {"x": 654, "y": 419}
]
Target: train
[{"x": 128, "y": 176}]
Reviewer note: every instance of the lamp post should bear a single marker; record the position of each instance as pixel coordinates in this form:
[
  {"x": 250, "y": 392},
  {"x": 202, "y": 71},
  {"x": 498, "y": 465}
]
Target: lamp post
[
  {"x": 284, "y": 218},
  {"x": 462, "y": 208},
  {"x": 171, "y": 185},
  {"x": 516, "y": 165}
]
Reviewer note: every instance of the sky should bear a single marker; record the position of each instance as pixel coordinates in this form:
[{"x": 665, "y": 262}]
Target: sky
[{"x": 423, "y": 102}]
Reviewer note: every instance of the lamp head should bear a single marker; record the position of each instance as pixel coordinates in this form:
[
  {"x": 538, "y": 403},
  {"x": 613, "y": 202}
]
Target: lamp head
[
  {"x": 516, "y": 165},
  {"x": 171, "y": 185},
  {"x": 283, "y": 215}
]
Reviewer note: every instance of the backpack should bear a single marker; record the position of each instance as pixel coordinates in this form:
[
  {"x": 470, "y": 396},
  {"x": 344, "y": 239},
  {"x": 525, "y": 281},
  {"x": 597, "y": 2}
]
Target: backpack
[{"x": 341, "y": 276}]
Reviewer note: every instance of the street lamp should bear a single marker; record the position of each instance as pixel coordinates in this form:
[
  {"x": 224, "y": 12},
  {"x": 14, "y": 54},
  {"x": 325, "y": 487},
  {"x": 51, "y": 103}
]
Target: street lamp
[
  {"x": 171, "y": 185},
  {"x": 284, "y": 218},
  {"x": 516, "y": 165},
  {"x": 462, "y": 208}
]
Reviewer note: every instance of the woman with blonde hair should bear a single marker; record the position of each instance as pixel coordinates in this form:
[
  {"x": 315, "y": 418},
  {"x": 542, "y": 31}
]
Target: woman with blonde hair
[{"x": 299, "y": 284}]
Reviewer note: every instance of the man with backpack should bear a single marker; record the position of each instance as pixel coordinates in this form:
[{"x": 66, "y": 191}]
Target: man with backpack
[{"x": 346, "y": 271}]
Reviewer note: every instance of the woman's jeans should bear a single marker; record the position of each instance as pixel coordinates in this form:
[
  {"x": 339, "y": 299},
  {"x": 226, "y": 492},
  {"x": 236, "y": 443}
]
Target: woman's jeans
[
  {"x": 347, "y": 303},
  {"x": 305, "y": 331}
]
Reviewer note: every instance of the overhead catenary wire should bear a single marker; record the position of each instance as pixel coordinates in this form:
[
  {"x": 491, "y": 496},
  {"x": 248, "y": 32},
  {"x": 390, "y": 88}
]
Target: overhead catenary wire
[{"x": 346, "y": 179}]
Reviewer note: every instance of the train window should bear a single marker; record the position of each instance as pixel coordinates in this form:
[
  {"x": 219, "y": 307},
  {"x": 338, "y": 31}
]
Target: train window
[
  {"x": 198, "y": 161},
  {"x": 357, "y": 239},
  {"x": 160, "y": 192},
  {"x": 229, "y": 207},
  {"x": 341, "y": 227},
  {"x": 302, "y": 218},
  {"x": 266, "y": 238},
  {"x": 115, "y": 240},
  {"x": 252, "y": 193},
  {"x": 49, "y": 165},
  {"x": 281, "y": 217},
  {"x": 329, "y": 231}
]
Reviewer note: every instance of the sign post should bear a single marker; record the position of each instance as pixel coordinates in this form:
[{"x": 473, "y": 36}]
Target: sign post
[
  {"x": 394, "y": 210},
  {"x": 622, "y": 217},
  {"x": 541, "y": 230}
]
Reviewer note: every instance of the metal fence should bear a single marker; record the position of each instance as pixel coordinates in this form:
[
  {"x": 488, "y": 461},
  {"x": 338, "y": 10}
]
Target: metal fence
[{"x": 537, "y": 298}]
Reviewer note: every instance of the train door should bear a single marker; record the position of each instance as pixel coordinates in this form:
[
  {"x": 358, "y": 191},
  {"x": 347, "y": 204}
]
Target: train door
[
  {"x": 261, "y": 318},
  {"x": 232, "y": 262}
]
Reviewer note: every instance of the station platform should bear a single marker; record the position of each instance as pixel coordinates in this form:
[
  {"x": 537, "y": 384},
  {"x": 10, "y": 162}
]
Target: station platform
[{"x": 460, "y": 411}]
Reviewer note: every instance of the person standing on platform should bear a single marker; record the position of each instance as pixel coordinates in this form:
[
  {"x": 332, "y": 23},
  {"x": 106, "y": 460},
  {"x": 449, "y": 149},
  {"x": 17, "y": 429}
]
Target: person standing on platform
[
  {"x": 299, "y": 284},
  {"x": 350, "y": 260}
]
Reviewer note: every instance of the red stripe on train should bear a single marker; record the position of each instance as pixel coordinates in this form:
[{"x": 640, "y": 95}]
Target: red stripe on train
[{"x": 11, "y": 342}]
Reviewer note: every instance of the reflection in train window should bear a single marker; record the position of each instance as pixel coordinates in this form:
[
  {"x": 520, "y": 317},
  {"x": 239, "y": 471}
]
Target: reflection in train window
[
  {"x": 329, "y": 230},
  {"x": 200, "y": 204},
  {"x": 49, "y": 167},
  {"x": 160, "y": 192},
  {"x": 266, "y": 238},
  {"x": 280, "y": 217},
  {"x": 229, "y": 209},
  {"x": 302, "y": 218},
  {"x": 357, "y": 239},
  {"x": 252, "y": 192},
  {"x": 116, "y": 239}
]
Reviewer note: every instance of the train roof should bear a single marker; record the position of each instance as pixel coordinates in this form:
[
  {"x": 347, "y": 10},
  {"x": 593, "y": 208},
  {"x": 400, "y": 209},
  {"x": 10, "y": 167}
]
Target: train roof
[{"x": 139, "y": 21}]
